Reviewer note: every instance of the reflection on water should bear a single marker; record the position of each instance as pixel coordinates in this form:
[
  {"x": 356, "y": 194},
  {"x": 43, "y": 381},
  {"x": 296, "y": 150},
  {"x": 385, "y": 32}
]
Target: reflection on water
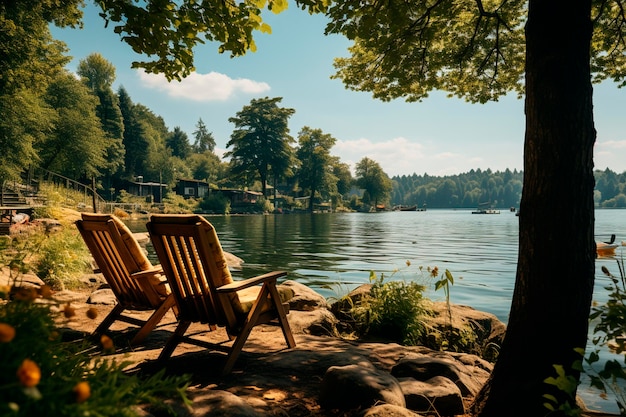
[{"x": 334, "y": 253}]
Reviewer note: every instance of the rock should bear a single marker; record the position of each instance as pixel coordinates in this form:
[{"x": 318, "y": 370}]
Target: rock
[
  {"x": 344, "y": 304},
  {"x": 102, "y": 296},
  {"x": 23, "y": 280},
  {"x": 359, "y": 385},
  {"x": 67, "y": 296},
  {"x": 489, "y": 331},
  {"x": 319, "y": 322},
  {"x": 304, "y": 297},
  {"x": 469, "y": 379},
  {"x": 437, "y": 395},
  {"x": 388, "y": 410},
  {"x": 221, "y": 404}
]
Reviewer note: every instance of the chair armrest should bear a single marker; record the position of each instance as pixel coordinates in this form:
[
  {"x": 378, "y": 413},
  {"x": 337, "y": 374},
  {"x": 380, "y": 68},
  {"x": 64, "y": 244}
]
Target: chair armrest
[
  {"x": 149, "y": 280},
  {"x": 148, "y": 272},
  {"x": 250, "y": 282}
]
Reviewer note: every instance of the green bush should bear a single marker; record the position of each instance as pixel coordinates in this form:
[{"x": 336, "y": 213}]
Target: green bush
[
  {"x": 61, "y": 258},
  {"x": 41, "y": 375},
  {"x": 394, "y": 310},
  {"x": 215, "y": 203}
]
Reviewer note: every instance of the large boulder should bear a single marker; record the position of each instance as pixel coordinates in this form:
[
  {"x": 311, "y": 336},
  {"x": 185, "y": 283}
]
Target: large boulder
[
  {"x": 436, "y": 395},
  {"x": 305, "y": 298},
  {"x": 468, "y": 377},
  {"x": 359, "y": 385}
]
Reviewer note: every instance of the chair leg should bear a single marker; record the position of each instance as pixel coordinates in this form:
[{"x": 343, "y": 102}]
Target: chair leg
[
  {"x": 282, "y": 316},
  {"x": 242, "y": 336},
  {"x": 154, "y": 320},
  {"x": 174, "y": 340},
  {"x": 108, "y": 320}
]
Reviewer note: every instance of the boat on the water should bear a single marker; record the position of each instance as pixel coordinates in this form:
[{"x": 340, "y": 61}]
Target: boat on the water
[
  {"x": 485, "y": 208},
  {"x": 486, "y": 211},
  {"x": 607, "y": 249},
  {"x": 405, "y": 208},
  {"x": 604, "y": 249}
]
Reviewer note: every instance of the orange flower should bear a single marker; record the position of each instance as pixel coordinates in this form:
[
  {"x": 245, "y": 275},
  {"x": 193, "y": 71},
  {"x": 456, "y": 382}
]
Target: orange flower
[
  {"x": 7, "y": 333},
  {"x": 5, "y": 290},
  {"x": 92, "y": 313},
  {"x": 82, "y": 390},
  {"x": 69, "y": 311},
  {"x": 106, "y": 342},
  {"x": 29, "y": 373}
]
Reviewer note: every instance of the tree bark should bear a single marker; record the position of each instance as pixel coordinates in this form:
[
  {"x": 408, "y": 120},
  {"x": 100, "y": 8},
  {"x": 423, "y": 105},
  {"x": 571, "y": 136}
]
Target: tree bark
[{"x": 555, "y": 272}]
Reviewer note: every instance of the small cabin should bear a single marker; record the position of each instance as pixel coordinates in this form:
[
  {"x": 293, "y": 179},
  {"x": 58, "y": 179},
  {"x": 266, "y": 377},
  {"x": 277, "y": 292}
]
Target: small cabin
[
  {"x": 190, "y": 188},
  {"x": 153, "y": 191},
  {"x": 240, "y": 198}
]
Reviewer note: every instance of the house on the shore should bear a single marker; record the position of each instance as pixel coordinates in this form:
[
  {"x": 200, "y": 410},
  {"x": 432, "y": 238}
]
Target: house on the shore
[
  {"x": 190, "y": 188},
  {"x": 239, "y": 198},
  {"x": 152, "y": 191}
]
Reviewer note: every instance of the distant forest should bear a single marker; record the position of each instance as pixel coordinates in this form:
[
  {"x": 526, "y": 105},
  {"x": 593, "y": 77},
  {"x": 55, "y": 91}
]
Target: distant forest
[{"x": 498, "y": 189}]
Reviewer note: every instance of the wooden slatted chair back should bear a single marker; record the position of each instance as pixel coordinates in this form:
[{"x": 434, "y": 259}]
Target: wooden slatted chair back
[
  {"x": 115, "y": 261},
  {"x": 193, "y": 260}
]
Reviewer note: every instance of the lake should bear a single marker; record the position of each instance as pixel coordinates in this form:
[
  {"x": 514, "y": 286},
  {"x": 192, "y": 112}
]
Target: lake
[{"x": 335, "y": 252}]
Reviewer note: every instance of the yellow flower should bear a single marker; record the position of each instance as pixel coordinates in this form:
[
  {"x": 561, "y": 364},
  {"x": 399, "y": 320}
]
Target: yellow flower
[
  {"x": 29, "y": 373},
  {"x": 92, "y": 313},
  {"x": 69, "y": 311},
  {"x": 408, "y": 263},
  {"x": 7, "y": 333},
  {"x": 106, "y": 342},
  {"x": 82, "y": 390}
]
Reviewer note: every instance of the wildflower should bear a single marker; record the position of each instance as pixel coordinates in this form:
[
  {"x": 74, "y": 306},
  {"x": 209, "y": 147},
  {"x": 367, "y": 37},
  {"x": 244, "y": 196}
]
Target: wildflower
[
  {"x": 69, "y": 311},
  {"x": 5, "y": 290},
  {"x": 7, "y": 333},
  {"x": 29, "y": 373},
  {"x": 82, "y": 390},
  {"x": 408, "y": 263},
  {"x": 106, "y": 342},
  {"x": 92, "y": 313},
  {"x": 434, "y": 272}
]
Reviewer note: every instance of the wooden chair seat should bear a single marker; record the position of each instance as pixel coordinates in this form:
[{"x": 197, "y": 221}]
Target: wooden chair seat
[
  {"x": 136, "y": 283},
  {"x": 195, "y": 266}
]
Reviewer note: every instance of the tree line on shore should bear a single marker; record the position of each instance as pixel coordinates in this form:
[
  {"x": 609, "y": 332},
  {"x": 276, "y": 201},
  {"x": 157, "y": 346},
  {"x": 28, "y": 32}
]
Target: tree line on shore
[{"x": 500, "y": 189}]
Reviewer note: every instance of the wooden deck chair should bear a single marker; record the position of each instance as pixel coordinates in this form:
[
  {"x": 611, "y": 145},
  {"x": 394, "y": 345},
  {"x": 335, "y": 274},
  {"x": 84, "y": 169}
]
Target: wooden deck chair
[
  {"x": 136, "y": 283},
  {"x": 193, "y": 261}
]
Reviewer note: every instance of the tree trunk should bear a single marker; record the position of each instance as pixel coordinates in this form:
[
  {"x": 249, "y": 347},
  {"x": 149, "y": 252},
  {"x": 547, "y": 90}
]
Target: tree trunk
[{"x": 555, "y": 271}]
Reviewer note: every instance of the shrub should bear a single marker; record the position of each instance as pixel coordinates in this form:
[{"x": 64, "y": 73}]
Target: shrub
[
  {"x": 215, "y": 203},
  {"x": 395, "y": 311},
  {"x": 61, "y": 258}
]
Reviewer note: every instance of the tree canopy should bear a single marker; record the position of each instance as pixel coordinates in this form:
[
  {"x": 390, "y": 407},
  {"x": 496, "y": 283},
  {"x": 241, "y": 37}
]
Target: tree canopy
[
  {"x": 261, "y": 141},
  {"x": 316, "y": 169}
]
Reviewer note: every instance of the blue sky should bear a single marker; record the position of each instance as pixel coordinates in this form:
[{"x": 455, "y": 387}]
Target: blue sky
[{"x": 439, "y": 136}]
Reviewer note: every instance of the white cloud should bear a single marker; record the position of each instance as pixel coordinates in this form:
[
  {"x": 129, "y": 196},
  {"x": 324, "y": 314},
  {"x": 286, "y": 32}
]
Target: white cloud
[
  {"x": 396, "y": 156},
  {"x": 203, "y": 87}
]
